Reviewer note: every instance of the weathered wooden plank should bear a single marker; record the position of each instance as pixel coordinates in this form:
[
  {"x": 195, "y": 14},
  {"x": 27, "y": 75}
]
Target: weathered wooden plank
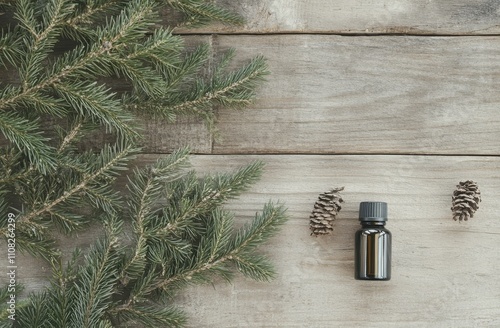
[
  {"x": 444, "y": 273},
  {"x": 351, "y": 17},
  {"x": 387, "y": 94},
  {"x": 160, "y": 136},
  {"x": 363, "y": 16}
]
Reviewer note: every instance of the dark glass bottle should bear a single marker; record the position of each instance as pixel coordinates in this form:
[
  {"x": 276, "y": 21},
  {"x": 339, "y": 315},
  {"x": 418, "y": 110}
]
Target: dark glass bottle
[{"x": 373, "y": 243}]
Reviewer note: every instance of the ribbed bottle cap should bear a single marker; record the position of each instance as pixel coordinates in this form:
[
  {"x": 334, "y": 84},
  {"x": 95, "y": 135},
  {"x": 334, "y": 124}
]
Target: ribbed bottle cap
[{"x": 373, "y": 211}]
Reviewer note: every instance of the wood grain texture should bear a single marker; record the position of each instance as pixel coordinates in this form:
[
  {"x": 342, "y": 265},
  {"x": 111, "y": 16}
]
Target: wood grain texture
[
  {"x": 347, "y": 111},
  {"x": 363, "y": 16},
  {"x": 444, "y": 273},
  {"x": 386, "y": 94},
  {"x": 163, "y": 137}
]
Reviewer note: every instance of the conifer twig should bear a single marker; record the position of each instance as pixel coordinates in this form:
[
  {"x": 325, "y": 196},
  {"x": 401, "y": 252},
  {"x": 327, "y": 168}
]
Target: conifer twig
[
  {"x": 70, "y": 136},
  {"x": 263, "y": 227},
  {"x": 200, "y": 12},
  {"x": 121, "y": 156}
]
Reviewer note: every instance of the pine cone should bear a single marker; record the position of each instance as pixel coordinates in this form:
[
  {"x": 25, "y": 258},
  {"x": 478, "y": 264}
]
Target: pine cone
[
  {"x": 465, "y": 200},
  {"x": 325, "y": 212}
]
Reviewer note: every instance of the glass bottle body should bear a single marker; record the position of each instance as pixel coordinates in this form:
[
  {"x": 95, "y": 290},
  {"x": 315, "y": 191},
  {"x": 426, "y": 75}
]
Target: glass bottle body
[{"x": 373, "y": 252}]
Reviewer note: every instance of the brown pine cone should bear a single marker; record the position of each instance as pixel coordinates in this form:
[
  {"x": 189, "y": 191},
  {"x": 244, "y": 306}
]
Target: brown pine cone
[
  {"x": 465, "y": 200},
  {"x": 325, "y": 212}
]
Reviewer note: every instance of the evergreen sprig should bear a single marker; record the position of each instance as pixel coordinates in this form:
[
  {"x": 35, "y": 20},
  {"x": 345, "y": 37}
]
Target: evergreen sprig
[
  {"x": 235, "y": 90},
  {"x": 199, "y": 12},
  {"x": 10, "y": 47},
  {"x": 119, "y": 283},
  {"x": 67, "y": 85},
  {"x": 168, "y": 228},
  {"x": 125, "y": 46},
  {"x": 82, "y": 293}
]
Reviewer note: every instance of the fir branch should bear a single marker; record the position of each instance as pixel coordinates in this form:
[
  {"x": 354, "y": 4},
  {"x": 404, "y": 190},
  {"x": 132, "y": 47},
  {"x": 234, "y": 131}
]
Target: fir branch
[
  {"x": 168, "y": 251},
  {"x": 10, "y": 47},
  {"x": 139, "y": 291},
  {"x": 96, "y": 280},
  {"x": 216, "y": 248},
  {"x": 31, "y": 68},
  {"x": 26, "y": 135},
  {"x": 33, "y": 239},
  {"x": 200, "y": 12},
  {"x": 190, "y": 65},
  {"x": 199, "y": 274},
  {"x": 205, "y": 196},
  {"x": 98, "y": 103},
  {"x": 113, "y": 159},
  {"x": 254, "y": 266},
  {"x": 218, "y": 236},
  {"x": 262, "y": 228},
  {"x": 43, "y": 35},
  {"x": 11, "y": 167},
  {"x": 151, "y": 316},
  {"x": 71, "y": 135},
  {"x": 161, "y": 48},
  {"x": 146, "y": 185},
  {"x": 103, "y": 197},
  {"x": 177, "y": 78},
  {"x": 44, "y": 104},
  {"x": 7, "y": 2},
  {"x": 67, "y": 222},
  {"x": 234, "y": 89},
  {"x": 145, "y": 189},
  {"x": 185, "y": 238},
  {"x": 80, "y": 24},
  {"x": 61, "y": 298},
  {"x": 236, "y": 251},
  {"x": 224, "y": 62},
  {"x": 161, "y": 51},
  {"x": 171, "y": 168},
  {"x": 34, "y": 313},
  {"x": 132, "y": 22},
  {"x": 54, "y": 13},
  {"x": 237, "y": 88},
  {"x": 231, "y": 185}
]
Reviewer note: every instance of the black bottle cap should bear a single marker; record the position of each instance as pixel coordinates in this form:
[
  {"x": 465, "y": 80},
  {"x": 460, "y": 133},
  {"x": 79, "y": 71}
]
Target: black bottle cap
[{"x": 373, "y": 212}]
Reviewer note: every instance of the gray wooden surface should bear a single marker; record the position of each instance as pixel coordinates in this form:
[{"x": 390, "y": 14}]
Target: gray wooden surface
[
  {"x": 444, "y": 273},
  {"x": 385, "y": 94},
  {"x": 355, "y": 101}
]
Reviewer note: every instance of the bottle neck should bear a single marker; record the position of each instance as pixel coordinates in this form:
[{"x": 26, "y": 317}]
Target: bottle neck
[{"x": 372, "y": 223}]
